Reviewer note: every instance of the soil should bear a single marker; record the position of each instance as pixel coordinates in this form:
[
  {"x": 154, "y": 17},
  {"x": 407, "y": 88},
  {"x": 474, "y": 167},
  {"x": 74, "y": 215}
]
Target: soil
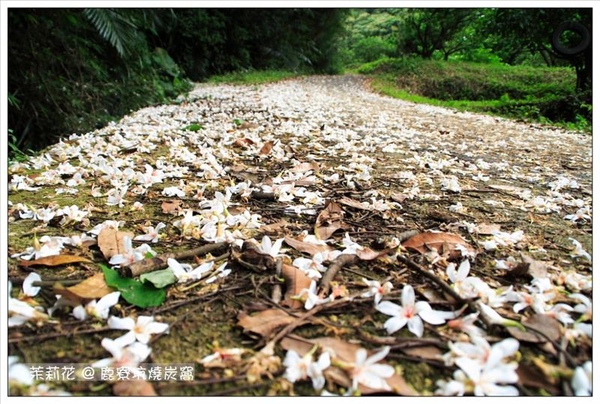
[{"x": 393, "y": 168}]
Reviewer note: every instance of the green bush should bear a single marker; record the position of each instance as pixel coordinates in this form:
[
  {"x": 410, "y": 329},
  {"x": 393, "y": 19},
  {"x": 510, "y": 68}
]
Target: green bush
[{"x": 373, "y": 48}]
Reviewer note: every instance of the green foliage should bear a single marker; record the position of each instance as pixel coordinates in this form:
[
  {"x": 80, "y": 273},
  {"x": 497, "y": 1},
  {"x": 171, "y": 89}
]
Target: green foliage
[
  {"x": 536, "y": 94},
  {"x": 69, "y": 77},
  {"x": 159, "y": 279},
  {"x": 116, "y": 28},
  {"x": 207, "y": 42},
  {"x": 134, "y": 292},
  {"x": 372, "y": 48}
]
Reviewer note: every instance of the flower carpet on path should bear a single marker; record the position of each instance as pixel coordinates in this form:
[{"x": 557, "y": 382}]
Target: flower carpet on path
[{"x": 304, "y": 237}]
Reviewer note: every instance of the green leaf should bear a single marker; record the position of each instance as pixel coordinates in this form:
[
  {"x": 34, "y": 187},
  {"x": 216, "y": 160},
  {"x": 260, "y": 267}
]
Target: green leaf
[
  {"x": 159, "y": 279},
  {"x": 134, "y": 292},
  {"x": 193, "y": 127}
]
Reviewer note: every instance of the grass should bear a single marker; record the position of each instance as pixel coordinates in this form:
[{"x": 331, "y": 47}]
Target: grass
[{"x": 535, "y": 94}]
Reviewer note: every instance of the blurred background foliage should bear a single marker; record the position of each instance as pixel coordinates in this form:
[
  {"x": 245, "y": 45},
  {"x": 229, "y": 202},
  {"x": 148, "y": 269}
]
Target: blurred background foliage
[{"x": 74, "y": 70}]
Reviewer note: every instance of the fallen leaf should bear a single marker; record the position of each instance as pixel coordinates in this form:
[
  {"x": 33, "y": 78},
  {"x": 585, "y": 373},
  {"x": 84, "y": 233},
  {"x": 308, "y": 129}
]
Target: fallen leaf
[
  {"x": 244, "y": 143},
  {"x": 543, "y": 323},
  {"x": 134, "y": 292},
  {"x": 275, "y": 227},
  {"x": 367, "y": 254},
  {"x": 128, "y": 388},
  {"x": 309, "y": 248},
  {"x": 537, "y": 269},
  {"x": 295, "y": 281},
  {"x": 266, "y": 148},
  {"x": 424, "y": 352},
  {"x": 441, "y": 242},
  {"x": 304, "y": 167},
  {"x": 355, "y": 204},
  {"x": 174, "y": 206},
  {"x": 329, "y": 220},
  {"x": 485, "y": 229},
  {"x": 94, "y": 287},
  {"x": 531, "y": 376},
  {"x": 266, "y": 322},
  {"x": 54, "y": 260},
  {"x": 110, "y": 241}
]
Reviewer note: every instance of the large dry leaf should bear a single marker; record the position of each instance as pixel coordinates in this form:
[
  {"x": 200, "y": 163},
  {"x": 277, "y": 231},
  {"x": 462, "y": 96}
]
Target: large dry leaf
[
  {"x": 110, "y": 241},
  {"x": 295, "y": 281},
  {"x": 54, "y": 260},
  {"x": 355, "y": 204},
  {"x": 174, "y": 206},
  {"x": 243, "y": 143},
  {"x": 94, "y": 287},
  {"x": 367, "y": 254},
  {"x": 545, "y": 324},
  {"x": 305, "y": 167},
  {"x": 486, "y": 229},
  {"x": 266, "y": 322},
  {"x": 305, "y": 247},
  {"x": 266, "y": 148},
  {"x": 346, "y": 352},
  {"x": 530, "y": 376},
  {"x": 537, "y": 269},
  {"x": 442, "y": 242},
  {"x": 329, "y": 220}
]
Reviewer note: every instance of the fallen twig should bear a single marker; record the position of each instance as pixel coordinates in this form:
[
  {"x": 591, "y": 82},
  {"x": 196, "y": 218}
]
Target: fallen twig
[
  {"x": 339, "y": 263},
  {"x": 160, "y": 261}
]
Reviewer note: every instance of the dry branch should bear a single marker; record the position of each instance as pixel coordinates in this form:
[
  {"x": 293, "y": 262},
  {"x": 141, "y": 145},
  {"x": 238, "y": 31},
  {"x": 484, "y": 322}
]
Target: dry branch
[{"x": 160, "y": 261}]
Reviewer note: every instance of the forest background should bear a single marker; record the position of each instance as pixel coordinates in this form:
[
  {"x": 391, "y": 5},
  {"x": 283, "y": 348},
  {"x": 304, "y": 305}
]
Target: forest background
[{"x": 72, "y": 70}]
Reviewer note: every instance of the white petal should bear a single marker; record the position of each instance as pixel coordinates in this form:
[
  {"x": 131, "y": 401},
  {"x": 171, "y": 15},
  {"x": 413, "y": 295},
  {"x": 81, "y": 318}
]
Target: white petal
[
  {"x": 394, "y": 324},
  {"x": 126, "y": 339},
  {"x": 28, "y": 287},
  {"x": 108, "y": 301},
  {"x": 117, "y": 323},
  {"x": 408, "y": 296},
  {"x": 415, "y": 325},
  {"x": 79, "y": 313},
  {"x": 389, "y": 308},
  {"x": 376, "y": 357}
]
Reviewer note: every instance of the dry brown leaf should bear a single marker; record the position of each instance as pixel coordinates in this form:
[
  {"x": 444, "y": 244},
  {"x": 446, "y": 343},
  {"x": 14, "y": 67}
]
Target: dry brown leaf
[
  {"x": 266, "y": 322},
  {"x": 244, "y": 143},
  {"x": 304, "y": 167},
  {"x": 442, "y": 242},
  {"x": 530, "y": 376},
  {"x": 305, "y": 247},
  {"x": 486, "y": 229},
  {"x": 128, "y": 388},
  {"x": 266, "y": 148},
  {"x": 329, "y": 220},
  {"x": 110, "y": 241},
  {"x": 94, "y": 287},
  {"x": 354, "y": 203},
  {"x": 424, "y": 352},
  {"x": 174, "y": 206},
  {"x": 367, "y": 254},
  {"x": 275, "y": 227},
  {"x": 295, "y": 281},
  {"x": 543, "y": 323},
  {"x": 537, "y": 269},
  {"x": 54, "y": 260}
]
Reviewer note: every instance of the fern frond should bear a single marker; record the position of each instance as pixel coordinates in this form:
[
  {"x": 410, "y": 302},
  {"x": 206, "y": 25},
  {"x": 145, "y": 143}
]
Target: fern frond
[{"x": 114, "y": 27}]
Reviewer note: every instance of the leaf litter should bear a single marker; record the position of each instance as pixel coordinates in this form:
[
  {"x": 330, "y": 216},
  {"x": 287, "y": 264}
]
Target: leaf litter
[{"x": 290, "y": 207}]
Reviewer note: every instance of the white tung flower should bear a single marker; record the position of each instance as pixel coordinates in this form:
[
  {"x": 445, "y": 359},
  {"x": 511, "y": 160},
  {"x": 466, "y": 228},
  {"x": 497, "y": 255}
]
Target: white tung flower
[{"x": 140, "y": 329}]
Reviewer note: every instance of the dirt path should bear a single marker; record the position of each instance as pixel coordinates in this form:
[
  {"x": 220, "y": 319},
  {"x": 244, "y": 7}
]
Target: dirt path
[{"x": 314, "y": 156}]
